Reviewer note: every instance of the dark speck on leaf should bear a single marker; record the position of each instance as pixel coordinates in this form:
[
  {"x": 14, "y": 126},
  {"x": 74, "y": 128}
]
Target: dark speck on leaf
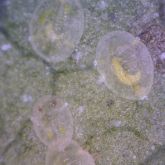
[
  {"x": 40, "y": 109},
  {"x": 110, "y": 103},
  {"x": 112, "y": 17}
]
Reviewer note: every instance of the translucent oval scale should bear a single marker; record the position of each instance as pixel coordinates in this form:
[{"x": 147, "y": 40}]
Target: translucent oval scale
[
  {"x": 125, "y": 64},
  {"x": 72, "y": 155},
  {"x": 52, "y": 121},
  {"x": 56, "y": 27}
]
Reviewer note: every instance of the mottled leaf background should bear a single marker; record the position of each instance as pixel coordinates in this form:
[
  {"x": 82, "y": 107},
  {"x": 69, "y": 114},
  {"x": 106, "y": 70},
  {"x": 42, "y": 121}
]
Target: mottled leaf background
[{"x": 114, "y": 130}]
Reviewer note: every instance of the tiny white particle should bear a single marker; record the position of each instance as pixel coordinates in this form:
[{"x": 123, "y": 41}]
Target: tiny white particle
[
  {"x": 102, "y": 5},
  {"x": 162, "y": 56},
  {"x": 101, "y": 79},
  {"x": 26, "y": 98},
  {"x": 95, "y": 63},
  {"x": 6, "y": 47},
  {"x": 29, "y": 38},
  {"x": 147, "y": 152},
  {"x": 78, "y": 56},
  {"x": 80, "y": 109},
  {"x": 155, "y": 15},
  {"x": 153, "y": 148},
  {"x": 116, "y": 123},
  {"x": 66, "y": 104},
  {"x": 134, "y": 157},
  {"x": 47, "y": 70},
  {"x": 144, "y": 98}
]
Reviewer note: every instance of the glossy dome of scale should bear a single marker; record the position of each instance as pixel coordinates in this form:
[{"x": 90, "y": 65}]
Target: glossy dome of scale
[
  {"x": 72, "y": 155},
  {"x": 125, "y": 64},
  {"x": 56, "y": 27},
  {"x": 52, "y": 121}
]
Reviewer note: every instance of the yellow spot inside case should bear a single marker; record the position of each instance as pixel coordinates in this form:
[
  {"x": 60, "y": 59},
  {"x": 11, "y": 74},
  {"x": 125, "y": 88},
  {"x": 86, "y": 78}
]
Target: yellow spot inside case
[
  {"x": 43, "y": 17},
  {"x": 50, "y": 134},
  {"x": 122, "y": 75},
  {"x": 62, "y": 130}
]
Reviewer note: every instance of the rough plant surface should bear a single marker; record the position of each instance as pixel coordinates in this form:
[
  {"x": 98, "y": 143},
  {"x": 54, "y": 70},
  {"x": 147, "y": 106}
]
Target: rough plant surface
[{"x": 114, "y": 130}]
